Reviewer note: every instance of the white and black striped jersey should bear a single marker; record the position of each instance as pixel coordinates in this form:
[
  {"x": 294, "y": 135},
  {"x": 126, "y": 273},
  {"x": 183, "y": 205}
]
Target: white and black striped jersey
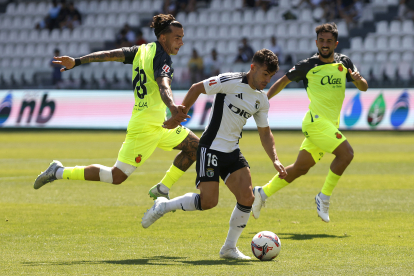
[{"x": 235, "y": 102}]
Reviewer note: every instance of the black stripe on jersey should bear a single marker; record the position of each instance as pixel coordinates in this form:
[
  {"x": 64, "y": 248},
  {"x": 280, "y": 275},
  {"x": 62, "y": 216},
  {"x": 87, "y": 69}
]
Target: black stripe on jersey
[
  {"x": 231, "y": 77},
  {"x": 213, "y": 127}
]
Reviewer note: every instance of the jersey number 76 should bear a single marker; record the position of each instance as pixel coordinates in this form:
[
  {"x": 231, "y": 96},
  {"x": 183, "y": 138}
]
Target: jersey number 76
[{"x": 142, "y": 79}]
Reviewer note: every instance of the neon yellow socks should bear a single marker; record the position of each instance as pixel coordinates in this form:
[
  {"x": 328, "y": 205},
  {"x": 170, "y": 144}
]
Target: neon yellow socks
[
  {"x": 74, "y": 173},
  {"x": 274, "y": 185},
  {"x": 330, "y": 183},
  {"x": 172, "y": 175}
]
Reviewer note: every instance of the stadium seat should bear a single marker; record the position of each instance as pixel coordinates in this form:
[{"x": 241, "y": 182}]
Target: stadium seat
[
  {"x": 357, "y": 57},
  {"x": 395, "y": 27},
  {"x": 121, "y": 19},
  {"x": 111, "y": 21},
  {"x": 101, "y": 20},
  {"x": 216, "y": 5},
  {"x": 381, "y": 43},
  {"x": 4, "y": 36},
  {"x": 285, "y": 4},
  {"x": 381, "y": 57},
  {"x": 21, "y": 9},
  {"x": 199, "y": 46},
  {"x": 7, "y": 23},
  {"x": 200, "y": 33},
  {"x": 407, "y": 42},
  {"x": 368, "y": 44},
  {"x": 238, "y": 4},
  {"x": 407, "y": 27},
  {"x": 368, "y": 57},
  {"x": 86, "y": 34},
  {"x": 291, "y": 45},
  {"x": 391, "y": 71},
  {"x": 23, "y": 35},
  {"x": 342, "y": 29},
  {"x": 281, "y": 30},
  {"x": 235, "y": 32},
  {"x": 133, "y": 20},
  {"x": 395, "y": 57},
  {"x": 28, "y": 22},
  {"x": 232, "y": 48},
  {"x": 42, "y": 8},
  {"x": 9, "y": 50},
  {"x": 247, "y": 31},
  {"x": 306, "y": 16},
  {"x": 235, "y": 18},
  {"x": 293, "y": 30},
  {"x": 5, "y": 62},
  {"x": 103, "y": 7},
  {"x": 93, "y": 7},
  {"x": 382, "y": 28},
  {"x": 394, "y": 42},
  {"x": 227, "y": 5},
  {"x": 54, "y": 36},
  {"x": 223, "y": 33},
  {"x": 182, "y": 18},
  {"x": 269, "y": 30},
  {"x": 256, "y": 45},
  {"x": 11, "y": 8},
  {"x": 259, "y": 17},
  {"x": 273, "y": 16},
  {"x": 89, "y": 21},
  {"x": 19, "y": 50},
  {"x": 221, "y": 47},
  {"x": 108, "y": 34},
  {"x": 317, "y": 14},
  {"x": 30, "y": 50},
  {"x": 16, "y": 63},
  {"x": 404, "y": 69},
  {"x": 192, "y": 19},
  {"x": 203, "y": 18},
  {"x": 28, "y": 75},
  {"x": 124, "y": 7},
  {"x": 304, "y": 46},
  {"x": 248, "y": 15},
  {"x": 305, "y": 30}
]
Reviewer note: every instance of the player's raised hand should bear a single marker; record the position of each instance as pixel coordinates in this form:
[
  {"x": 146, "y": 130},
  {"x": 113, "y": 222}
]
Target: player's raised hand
[
  {"x": 178, "y": 116},
  {"x": 354, "y": 75},
  {"x": 280, "y": 168},
  {"x": 67, "y": 62}
]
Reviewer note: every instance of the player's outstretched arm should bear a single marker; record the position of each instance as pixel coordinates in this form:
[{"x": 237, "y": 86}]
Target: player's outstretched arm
[
  {"x": 359, "y": 81},
  {"x": 268, "y": 143},
  {"x": 278, "y": 86},
  {"x": 189, "y": 99},
  {"x": 101, "y": 56}
]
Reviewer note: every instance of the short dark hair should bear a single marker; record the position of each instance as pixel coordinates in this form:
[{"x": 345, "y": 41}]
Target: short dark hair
[
  {"x": 327, "y": 28},
  {"x": 162, "y": 24},
  {"x": 268, "y": 58}
]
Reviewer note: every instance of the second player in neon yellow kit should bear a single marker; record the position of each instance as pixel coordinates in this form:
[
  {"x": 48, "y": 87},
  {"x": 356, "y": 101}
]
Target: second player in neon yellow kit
[
  {"x": 151, "y": 80},
  {"x": 324, "y": 76}
]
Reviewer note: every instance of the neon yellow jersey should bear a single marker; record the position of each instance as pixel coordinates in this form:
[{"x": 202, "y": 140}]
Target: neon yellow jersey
[
  {"x": 149, "y": 61},
  {"x": 325, "y": 84}
]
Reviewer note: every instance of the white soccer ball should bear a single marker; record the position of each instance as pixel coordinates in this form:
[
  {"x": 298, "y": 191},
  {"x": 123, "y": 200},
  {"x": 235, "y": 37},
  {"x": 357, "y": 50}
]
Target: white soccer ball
[{"x": 266, "y": 245}]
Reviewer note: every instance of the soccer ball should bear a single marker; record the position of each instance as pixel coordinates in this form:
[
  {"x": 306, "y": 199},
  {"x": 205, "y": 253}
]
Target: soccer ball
[{"x": 266, "y": 246}]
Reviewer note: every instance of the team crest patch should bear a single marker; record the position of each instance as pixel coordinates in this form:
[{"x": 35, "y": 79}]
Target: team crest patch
[
  {"x": 166, "y": 68},
  {"x": 257, "y": 104},
  {"x": 138, "y": 158},
  {"x": 340, "y": 68},
  {"x": 210, "y": 172},
  {"x": 338, "y": 135}
]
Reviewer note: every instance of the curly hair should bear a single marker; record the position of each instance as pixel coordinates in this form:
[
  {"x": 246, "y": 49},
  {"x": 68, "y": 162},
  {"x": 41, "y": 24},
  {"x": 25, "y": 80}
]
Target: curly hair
[
  {"x": 162, "y": 22},
  {"x": 268, "y": 58},
  {"x": 327, "y": 28}
]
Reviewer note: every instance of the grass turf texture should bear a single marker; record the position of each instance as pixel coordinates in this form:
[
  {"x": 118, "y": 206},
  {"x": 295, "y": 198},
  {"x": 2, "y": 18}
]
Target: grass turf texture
[{"x": 92, "y": 228}]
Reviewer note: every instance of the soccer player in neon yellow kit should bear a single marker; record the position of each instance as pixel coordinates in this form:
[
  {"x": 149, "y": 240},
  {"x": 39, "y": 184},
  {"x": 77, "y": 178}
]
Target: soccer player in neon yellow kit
[
  {"x": 151, "y": 79},
  {"x": 324, "y": 76}
]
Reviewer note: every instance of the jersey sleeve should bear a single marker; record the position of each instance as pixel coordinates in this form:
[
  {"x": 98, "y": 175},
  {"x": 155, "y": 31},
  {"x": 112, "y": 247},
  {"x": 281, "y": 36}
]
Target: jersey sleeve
[
  {"x": 130, "y": 53},
  {"x": 298, "y": 72},
  {"x": 162, "y": 66},
  {"x": 349, "y": 64},
  {"x": 220, "y": 83},
  {"x": 261, "y": 116}
]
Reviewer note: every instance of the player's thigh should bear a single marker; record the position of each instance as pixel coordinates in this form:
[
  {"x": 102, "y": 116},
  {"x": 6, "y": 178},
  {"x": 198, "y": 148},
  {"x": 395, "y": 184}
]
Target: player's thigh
[
  {"x": 209, "y": 194},
  {"x": 171, "y": 138},
  {"x": 138, "y": 147},
  {"x": 240, "y": 184}
]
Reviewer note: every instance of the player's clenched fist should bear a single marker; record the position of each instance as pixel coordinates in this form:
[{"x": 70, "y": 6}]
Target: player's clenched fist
[
  {"x": 67, "y": 62},
  {"x": 354, "y": 75}
]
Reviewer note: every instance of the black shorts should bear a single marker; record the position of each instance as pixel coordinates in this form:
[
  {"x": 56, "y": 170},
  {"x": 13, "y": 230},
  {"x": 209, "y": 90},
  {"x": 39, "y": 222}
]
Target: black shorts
[{"x": 212, "y": 164}]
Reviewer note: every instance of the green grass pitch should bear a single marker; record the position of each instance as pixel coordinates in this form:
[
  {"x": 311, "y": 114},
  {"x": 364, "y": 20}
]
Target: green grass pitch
[{"x": 92, "y": 228}]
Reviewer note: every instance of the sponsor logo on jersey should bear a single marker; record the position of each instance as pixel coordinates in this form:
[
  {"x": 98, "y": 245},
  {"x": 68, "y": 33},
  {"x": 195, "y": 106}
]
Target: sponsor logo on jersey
[
  {"x": 400, "y": 110},
  {"x": 353, "y": 110},
  {"x": 210, "y": 172},
  {"x": 212, "y": 82},
  {"x": 166, "y": 68},
  {"x": 330, "y": 80},
  {"x": 240, "y": 96},
  {"x": 316, "y": 71},
  {"x": 377, "y": 111},
  {"x": 239, "y": 111},
  {"x": 306, "y": 134},
  {"x": 178, "y": 131},
  {"x": 138, "y": 158},
  {"x": 257, "y": 105},
  {"x": 338, "y": 135},
  {"x": 5, "y": 108}
]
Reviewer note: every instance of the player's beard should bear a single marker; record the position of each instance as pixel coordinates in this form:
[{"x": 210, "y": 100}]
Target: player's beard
[{"x": 325, "y": 56}]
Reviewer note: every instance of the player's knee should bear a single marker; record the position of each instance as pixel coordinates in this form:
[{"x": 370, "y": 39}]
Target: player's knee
[
  {"x": 208, "y": 203},
  {"x": 302, "y": 170},
  {"x": 348, "y": 156},
  {"x": 247, "y": 199},
  {"x": 118, "y": 177}
]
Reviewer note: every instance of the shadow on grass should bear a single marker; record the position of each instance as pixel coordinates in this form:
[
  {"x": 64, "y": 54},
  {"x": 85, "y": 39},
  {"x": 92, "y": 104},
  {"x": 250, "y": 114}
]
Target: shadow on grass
[
  {"x": 156, "y": 260},
  {"x": 298, "y": 237}
]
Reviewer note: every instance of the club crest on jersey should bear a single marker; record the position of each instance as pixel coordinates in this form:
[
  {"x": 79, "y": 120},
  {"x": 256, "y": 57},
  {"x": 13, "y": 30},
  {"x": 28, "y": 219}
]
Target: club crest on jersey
[
  {"x": 210, "y": 172},
  {"x": 338, "y": 135},
  {"x": 257, "y": 105},
  {"x": 212, "y": 82},
  {"x": 340, "y": 68},
  {"x": 138, "y": 158},
  {"x": 166, "y": 68}
]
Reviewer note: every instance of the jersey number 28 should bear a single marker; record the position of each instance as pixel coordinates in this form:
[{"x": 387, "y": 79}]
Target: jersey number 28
[{"x": 142, "y": 79}]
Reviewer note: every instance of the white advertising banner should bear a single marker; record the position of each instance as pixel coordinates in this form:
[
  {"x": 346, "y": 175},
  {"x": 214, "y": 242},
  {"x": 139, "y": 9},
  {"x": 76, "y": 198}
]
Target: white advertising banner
[{"x": 376, "y": 109}]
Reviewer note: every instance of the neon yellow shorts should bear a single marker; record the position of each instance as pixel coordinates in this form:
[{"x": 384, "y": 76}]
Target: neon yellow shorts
[
  {"x": 138, "y": 147},
  {"x": 321, "y": 136}
]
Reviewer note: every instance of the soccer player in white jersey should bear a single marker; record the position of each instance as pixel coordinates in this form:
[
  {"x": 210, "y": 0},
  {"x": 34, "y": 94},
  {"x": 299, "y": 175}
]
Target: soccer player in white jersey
[{"x": 238, "y": 96}]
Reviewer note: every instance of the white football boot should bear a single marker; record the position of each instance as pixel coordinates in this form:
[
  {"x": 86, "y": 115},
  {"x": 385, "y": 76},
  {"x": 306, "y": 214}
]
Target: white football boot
[
  {"x": 322, "y": 206},
  {"x": 258, "y": 203},
  {"x": 232, "y": 253},
  {"x": 154, "y": 213},
  {"x": 47, "y": 176}
]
